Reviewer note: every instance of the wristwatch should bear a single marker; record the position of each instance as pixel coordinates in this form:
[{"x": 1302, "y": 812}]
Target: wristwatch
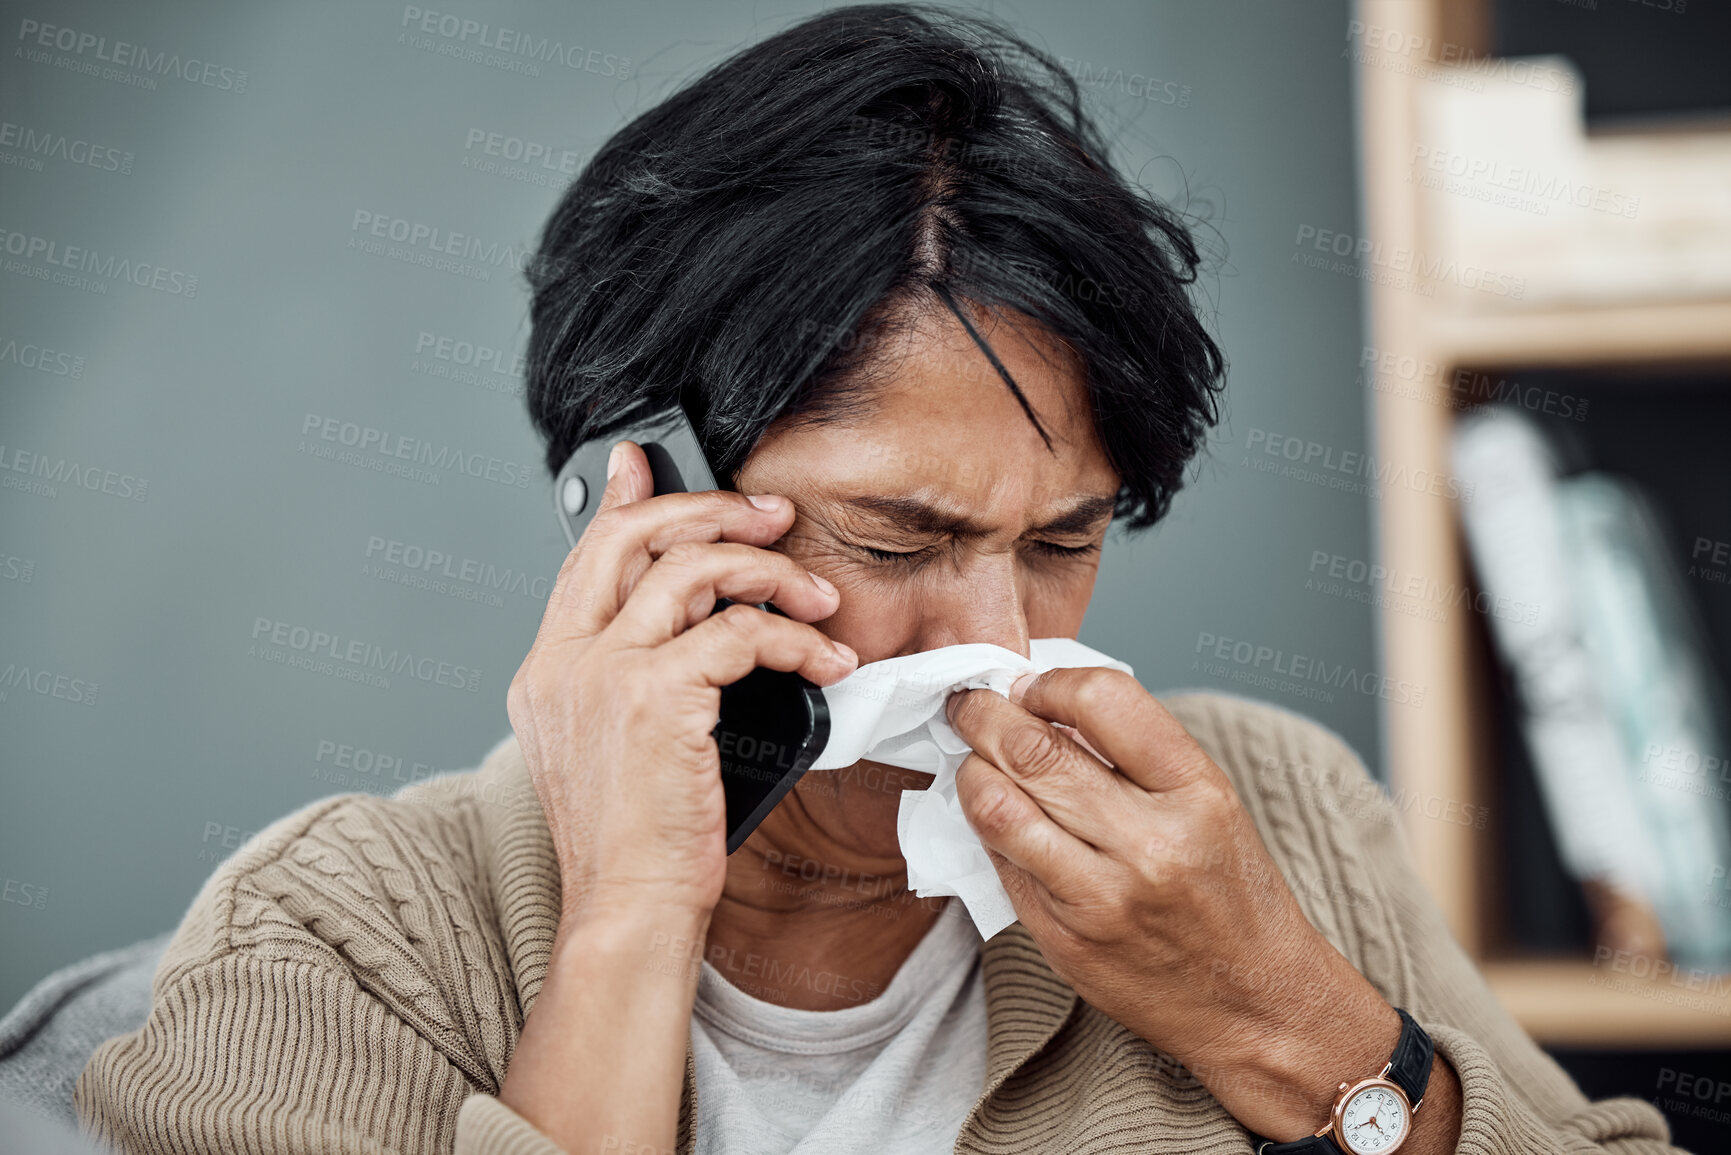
[{"x": 1373, "y": 1116}]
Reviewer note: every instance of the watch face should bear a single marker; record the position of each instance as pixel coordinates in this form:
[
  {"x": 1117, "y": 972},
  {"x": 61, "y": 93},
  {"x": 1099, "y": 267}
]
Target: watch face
[{"x": 1374, "y": 1121}]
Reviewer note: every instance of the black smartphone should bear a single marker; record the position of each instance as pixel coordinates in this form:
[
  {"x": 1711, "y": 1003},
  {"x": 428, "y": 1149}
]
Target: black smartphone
[{"x": 773, "y": 724}]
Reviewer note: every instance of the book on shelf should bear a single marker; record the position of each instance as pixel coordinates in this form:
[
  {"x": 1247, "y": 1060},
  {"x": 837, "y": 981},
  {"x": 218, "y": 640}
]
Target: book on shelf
[{"x": 1615, "y": 699}]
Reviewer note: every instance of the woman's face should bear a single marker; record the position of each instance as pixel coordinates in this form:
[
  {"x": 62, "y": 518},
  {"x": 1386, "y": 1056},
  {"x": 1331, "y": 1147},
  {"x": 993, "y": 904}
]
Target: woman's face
[
  {"x": 940, "y": 514},
  {"x": 942, "y": 518}
]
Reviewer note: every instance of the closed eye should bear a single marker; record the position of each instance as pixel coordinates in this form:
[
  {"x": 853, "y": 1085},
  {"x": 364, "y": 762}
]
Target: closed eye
[
  {"x": 1053, "y": 549},
  {"x": 892, "y": 555},
  {"x": 1048, "y": 548}
]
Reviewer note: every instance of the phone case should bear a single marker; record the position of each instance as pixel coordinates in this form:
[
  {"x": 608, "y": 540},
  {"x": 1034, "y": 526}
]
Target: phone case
[{"x": 772, "y": 724}]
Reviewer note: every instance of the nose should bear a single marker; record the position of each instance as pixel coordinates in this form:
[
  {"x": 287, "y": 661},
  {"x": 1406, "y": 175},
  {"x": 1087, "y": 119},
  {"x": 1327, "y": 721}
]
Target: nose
[{"x": 981, "y": 601}]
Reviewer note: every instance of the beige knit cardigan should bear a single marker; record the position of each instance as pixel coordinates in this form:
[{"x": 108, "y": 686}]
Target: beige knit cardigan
[{"x": 355, "y": 979}]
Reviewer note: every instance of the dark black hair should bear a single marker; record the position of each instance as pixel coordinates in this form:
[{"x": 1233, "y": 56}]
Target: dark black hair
[{"x": 744, "y": 245}]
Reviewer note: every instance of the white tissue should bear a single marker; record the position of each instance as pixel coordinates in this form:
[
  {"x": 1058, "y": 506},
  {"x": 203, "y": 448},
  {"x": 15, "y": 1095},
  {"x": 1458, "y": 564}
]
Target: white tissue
[{"x": 893, "y": 712}]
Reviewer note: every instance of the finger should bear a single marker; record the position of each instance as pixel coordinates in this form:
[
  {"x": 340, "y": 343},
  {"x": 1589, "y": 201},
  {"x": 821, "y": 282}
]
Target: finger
[
  {"x": 682, "y": 586},
  {"x": 1122, "y": 721},
  {"x": 1075, "y": 736},
  {"x": 632, "y": 528},
  {"x": 629, "y": 477},
  {"x": 575, "y": 606},
  {"x": 1036, "y": 907},
  {"x": 1013, "y": 824},
  {"x": 1078, "y": 791},
  {"x": 638, "y": 517},
  {"x": 725, "y": 647}
]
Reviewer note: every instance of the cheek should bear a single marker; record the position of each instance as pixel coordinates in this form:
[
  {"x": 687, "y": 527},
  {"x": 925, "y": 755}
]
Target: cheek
[
  {"x": 881, "y": 618},
  {"x": 1056, "y": 600},
  {"x": 875, "y": 619}
]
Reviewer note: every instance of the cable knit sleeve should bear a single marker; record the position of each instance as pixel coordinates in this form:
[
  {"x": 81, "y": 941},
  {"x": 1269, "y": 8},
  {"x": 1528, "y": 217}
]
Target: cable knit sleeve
[
  {"x": 334, "y": 988},
  {"x": 1341, "y": 845}
]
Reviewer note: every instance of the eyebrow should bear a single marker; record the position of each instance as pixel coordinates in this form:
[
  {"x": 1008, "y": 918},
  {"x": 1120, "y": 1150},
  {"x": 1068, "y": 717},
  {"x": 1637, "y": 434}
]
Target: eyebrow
[{"x": 1082, "y": 516}]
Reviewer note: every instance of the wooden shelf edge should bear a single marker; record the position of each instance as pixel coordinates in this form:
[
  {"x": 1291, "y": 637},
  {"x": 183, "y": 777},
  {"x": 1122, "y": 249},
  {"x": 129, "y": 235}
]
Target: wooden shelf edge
[
  {"x": 1577, "y": 1004},
  {"x": 1587, "y": 334}
]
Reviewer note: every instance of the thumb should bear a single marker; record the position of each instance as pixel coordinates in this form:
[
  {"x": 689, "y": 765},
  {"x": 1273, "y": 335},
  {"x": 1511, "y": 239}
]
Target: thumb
[{"x": 629, "y": 477}]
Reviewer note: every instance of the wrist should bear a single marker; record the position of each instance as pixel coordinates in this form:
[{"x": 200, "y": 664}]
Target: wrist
[
  {"x": 645, "y": 942},
  {"x": 1277, "y": 1062},
  {"x": 615, "y": 903},
  {"x": 1413, "y": 1105},
  {"x": 1302, "y": 1070},
  {"x": 603, "y": 1049}
]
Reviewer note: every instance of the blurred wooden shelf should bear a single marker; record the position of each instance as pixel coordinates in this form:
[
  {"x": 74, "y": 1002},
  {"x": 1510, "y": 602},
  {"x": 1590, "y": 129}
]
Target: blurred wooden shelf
[
  {"x": 1575, "y": 1004},
  {"x": 1447, "y": 750},
  {"x": 1644, "y": 331}
]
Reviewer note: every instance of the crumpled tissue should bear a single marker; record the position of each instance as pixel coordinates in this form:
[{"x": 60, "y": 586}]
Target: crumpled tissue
[{"x": 892, "y": 712}]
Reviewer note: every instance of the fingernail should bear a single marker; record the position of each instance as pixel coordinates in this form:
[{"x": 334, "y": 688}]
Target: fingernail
[
  {"x": 1020, "y": 686},
  {"x": 846, "y": 652},
  {"x": 950, "y": 705},
  {"x": 768, "y": 502},
  {"x": 820, "y": 583},
  {"x": 614, "y": 458}
]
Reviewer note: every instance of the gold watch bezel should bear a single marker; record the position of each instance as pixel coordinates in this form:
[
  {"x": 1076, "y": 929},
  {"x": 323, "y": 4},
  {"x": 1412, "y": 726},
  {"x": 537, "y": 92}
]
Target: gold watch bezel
[{"x": 1349, "y": 1091}]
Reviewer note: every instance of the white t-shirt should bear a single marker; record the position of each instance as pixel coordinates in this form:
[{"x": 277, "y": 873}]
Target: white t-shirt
[{"x": 898, "y": 1073}]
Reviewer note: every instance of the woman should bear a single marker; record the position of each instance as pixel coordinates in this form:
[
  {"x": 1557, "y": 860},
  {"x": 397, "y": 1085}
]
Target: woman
[{"x": 937, "y": 346}]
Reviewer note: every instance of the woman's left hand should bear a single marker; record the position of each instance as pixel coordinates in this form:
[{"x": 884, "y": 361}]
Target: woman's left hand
[{"x": 1147, "y": 888}]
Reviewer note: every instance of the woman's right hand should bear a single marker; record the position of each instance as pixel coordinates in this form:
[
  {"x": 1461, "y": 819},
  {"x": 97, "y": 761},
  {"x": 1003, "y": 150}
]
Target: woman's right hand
[
  {"x": 613, "y": 710},
  {"x": 614, "y": 704}
]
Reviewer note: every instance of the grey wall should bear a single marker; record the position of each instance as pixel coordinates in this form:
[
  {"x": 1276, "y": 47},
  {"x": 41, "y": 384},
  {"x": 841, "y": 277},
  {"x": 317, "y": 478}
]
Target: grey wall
[{"x": 146, "y": 726}]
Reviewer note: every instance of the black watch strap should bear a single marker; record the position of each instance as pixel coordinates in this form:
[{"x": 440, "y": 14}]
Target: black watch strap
[
  {"x": 1409, "y": 1069},
  {"x": 1309, "y": 1145},
  {"x": 1409, "y": 1066}
]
